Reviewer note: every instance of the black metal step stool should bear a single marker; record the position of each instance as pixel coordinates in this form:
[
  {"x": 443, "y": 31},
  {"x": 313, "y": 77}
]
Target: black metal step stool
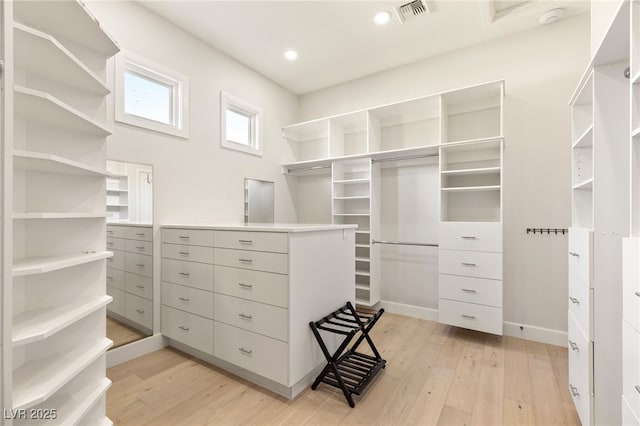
[{"x": 352, "y": 371}]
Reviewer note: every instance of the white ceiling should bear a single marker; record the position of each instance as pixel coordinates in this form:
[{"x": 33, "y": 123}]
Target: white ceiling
[{"x": 337, "y": 41}]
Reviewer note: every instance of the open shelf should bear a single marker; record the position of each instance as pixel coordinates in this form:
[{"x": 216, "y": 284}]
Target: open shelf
[
  {"x": 362, "y": 287},
  {"x": 472, "y": 188},
  {"x": 635, "y": 132},
  {"x": 117, "y": 205},
  {"x": 62, "y": 215},
  {"x": 352, "y": 214},
  {"x": 473, "y": 172},
  {"x": 363, "y": 273},
  {"x": 39, "y": 324},
  {"x": 587, "y": 185},
  {"x": 38, "y": 380},
  {"x": 44, "y": 108},
  {"x": 363, "y": 246},
  {"x": 33, "y": 48},
  {"x": 363, "y": 231},
  {"x": 352, "y": 181},
  {"x": 586, "y": 139},
  {"x": 117, "y": 190},
  {"x": 355, "y": 197},
  {"x": 363, "y": 259},
  {"x": 41, "y": 265},
  {"x": 49, "y": 163}
]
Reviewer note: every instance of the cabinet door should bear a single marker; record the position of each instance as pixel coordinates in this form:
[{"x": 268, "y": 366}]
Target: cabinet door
[
  {"x": 580, "y": 254},
  {"x": 580, "y": 368}
]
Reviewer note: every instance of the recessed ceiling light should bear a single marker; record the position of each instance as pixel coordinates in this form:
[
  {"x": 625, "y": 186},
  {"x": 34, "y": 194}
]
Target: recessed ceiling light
[
  {"x": 382, "y": 18},
  {"x": 551, "y": 16},
  {"x": 291, "y": 54}
]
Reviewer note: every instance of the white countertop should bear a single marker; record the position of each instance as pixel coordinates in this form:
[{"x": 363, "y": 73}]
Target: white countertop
[
  {"x": 143, "y": 225},
  {"x": 263, "y": 227}
]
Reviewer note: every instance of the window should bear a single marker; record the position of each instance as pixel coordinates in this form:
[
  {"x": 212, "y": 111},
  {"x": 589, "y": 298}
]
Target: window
[
  {"x": 241, "y": 125},
  {"x": 151, "y": 96}
]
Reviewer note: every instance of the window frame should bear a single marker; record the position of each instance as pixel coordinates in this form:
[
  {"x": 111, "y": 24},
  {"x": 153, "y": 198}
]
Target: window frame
[
  {"x": 239, "y": 106},
  {"x": 178, "y": 84}
]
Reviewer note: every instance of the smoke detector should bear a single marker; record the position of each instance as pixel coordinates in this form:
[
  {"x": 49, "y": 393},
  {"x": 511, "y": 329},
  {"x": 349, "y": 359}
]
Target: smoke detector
[
  {"x": 551, "y": 16},
  {"x": 412, "y": 10}
]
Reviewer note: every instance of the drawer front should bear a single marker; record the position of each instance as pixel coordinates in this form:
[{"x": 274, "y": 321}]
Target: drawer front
[
  {"x": 117, "y": 305},
  {"x": 270, "y": 321},
  {"x": 579, "y": 371},
  {"x": 188, "y": 299},
  {"x": 631, "y": 281},
  {"x": 116, "y": 278},
  {"x": 471, "y": 264},
  {"x": 258, "y": 286},
  {"x": 139, "y": 285},
  {"x": 580, "y": 304},
  {"x": 185, "y": 252},
  {"x": 117, "y": 260},
  {"x": 254, "y": 260},
  {"x": 138, "y": 310},
  {"x": 472, "y": 236},
  {"x": 115, "y": 243},
  {"x": 142, "y": 247},
  {"x": 189, "y": 329},
  {"x": 580, "y": 253},
  {"x": 138, "y": 233},
  {"x": 628, "y": 416},
  {"x": 470, "y": 290},
  {"x": 262, "y": 355},
  {"x": 194, "y": 237},
  {"x": 276, "y": 242},
  {"x": 471, "y": 316},
  {"x": 191, "y": 274},
  {"x": 140, "y": 264},
  {"x": 115, "y": 231},
  {"x": 631, "y": 367}
]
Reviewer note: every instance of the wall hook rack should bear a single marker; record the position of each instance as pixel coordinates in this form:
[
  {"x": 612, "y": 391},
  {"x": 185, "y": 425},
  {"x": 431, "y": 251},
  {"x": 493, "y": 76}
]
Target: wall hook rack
[{"x": 548, "y": 231}]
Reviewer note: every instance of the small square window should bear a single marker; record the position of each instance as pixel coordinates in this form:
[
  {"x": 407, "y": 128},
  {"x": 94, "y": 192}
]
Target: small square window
[
  {"x": 147, "y": 98},
  {"x": 240, "y": 125}
]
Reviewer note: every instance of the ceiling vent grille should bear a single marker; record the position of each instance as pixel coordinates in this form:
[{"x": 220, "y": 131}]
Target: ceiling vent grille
[{"x": 412, "y": 10}]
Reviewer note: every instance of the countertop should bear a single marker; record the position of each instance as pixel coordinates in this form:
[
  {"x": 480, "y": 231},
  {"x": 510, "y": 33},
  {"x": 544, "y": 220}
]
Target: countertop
[{"x": 263, "y": 227}]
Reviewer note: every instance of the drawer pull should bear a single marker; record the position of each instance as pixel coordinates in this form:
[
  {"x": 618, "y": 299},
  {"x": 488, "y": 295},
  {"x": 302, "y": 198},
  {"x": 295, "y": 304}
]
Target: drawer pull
[
  {"x": 574, "y": 390},
  {"x": 140, "y": 286},
  {"x": 140, "y": 265},
  {"x": 184, "y": 253},
  {"x": 140, "y": 234},
  {"x": 109, "y": 243},
  {"x": 246, "y": 351},
  {"x": 140, "y": 248},
  {"x": 185, "y": 274},
  {"x": 637, "y": 293},
  {"x": 468, "y": 316},
  {"x": 245, "y": 241},
  {"x": 469, "y": 237},
  {"x": 140, "y": 311},
  {"x": 574, "y": 300},
  {"x": 468, "y": 290},
  {"x": 184, "y": 299},
  {"x": 243, "y": 315},
  {"x": 183, "y": 237},
  {"x": 574, "y": 346},
  {"x": 574, "y": 254},
  {"x": 109, "y": 278},
  {"x": 182, "y": 327},
  {"x": 637, "y": 388},
  {"x": 246, "y": 260},
  {"x": 469, "y": 264},
  {"x": 245, "y": 285}
]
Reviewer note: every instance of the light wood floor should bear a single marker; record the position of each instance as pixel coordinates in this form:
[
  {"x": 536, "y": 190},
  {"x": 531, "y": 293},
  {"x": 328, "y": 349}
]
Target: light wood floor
[
  {"x": 122, "y": 334},
  {"x": 435, "y": 375}
]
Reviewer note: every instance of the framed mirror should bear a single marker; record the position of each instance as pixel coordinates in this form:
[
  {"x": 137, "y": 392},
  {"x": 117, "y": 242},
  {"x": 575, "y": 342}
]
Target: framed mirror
[{"x": 258, "y": 201}]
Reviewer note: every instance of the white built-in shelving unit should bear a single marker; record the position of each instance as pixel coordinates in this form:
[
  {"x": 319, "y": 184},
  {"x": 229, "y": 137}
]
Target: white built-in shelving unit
[
  {"x": 54, "y": 300},
  {"x": 118, "y": 197}
]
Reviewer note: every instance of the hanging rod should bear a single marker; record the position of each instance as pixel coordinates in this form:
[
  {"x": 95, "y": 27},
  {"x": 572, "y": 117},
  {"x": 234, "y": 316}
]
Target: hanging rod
[
  {"x": 401, "y": 243},
  {"x": 307, "y": 168},
  {"x": 409, "y": 157}
]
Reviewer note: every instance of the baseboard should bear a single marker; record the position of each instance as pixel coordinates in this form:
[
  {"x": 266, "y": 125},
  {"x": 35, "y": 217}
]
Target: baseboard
[
  {"x": 409, "y": 310},
  {"x": 537, "y": 334},
  {"x": 135, "y": 349}
]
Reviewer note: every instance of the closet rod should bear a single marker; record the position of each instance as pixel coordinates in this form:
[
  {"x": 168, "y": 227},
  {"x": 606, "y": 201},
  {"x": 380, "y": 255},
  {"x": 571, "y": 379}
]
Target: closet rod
[
  {"x": 409, "y": 157},
  {"x": 401, "y": 243},
  {"x": 307, "y": 168}
]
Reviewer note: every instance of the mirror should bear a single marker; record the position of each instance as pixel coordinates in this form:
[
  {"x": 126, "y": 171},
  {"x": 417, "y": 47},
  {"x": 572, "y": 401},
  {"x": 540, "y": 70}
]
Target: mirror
[
  {"x": 258, "y": 201},
  {"x": 129, "y": 188}
]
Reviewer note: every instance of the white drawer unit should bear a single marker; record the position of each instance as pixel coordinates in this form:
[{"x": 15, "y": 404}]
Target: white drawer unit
[
  {"x": 187, "y": 328},
  {"x": 254, "y": 260},
  {"x": 115, "y": 278},
  {"x": 141, "y": 247},
  {"x": 276, "y": 242},
  {"x": 138, "y": 310},
  {"x": 270, "y": 321},
  {"x": 117, "y": 260},
  {"x": 631, "y": 367},
  {"x": 139, "y": 285},
  {"x": 115, "y": 231},
  {"x": 471, "y": 290},
  {"x": 192, "y": 274},
  {"x": 115, "y": 244},
  {"x": 188, "y": 299},
  {"x": 471, "y": 264},
  {"x": 117, "y": 305},
  {"x": 259, "y": 354},
  {"x": 580, "y": 366},
  {"x": 580, "y": 254},
  {"x": 471, "y": 316},
  {"x": 631, "y": 281},
  {"x": 138, "y": 233},
  {"x": 186, "y": 252},
  {"x": 194, "y": 237},
  {"x": 472, "y": 236},
  {"x": 580, "y": 306},
  {"x": 265, "y": 287},
  {"x": 140, "y": 264}
]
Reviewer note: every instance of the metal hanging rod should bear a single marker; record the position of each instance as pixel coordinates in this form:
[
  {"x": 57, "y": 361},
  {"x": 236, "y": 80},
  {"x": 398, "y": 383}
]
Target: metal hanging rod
[
  {"x": 409, "y": 157},
  {"x": 548, "y": 231},
  {"x": 402, "y": 243},
  {"x": 307, "y": 168}
]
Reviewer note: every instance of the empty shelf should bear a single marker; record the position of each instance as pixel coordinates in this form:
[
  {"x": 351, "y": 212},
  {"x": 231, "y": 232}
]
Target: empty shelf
[
  {"x": 41, "y": 265},
  {"x": 363, "y": 259},
  {"x": 352, "y": 214},
  {"x": 363, "y": 246},
  {"x": 352, "y": 181},
  {"x": 585, "y": 140},
  {"x": 478, "y": 171},
  {"x": 587, "y": 185},
  {"x": 472, "y": 188},
  {"x": 356, "y": 197},
  {"x": 362, "y": 287},
  {"x": 49, "y": 163},
  {"x": 55, "y": 215},
  {"x": 363, "y": 273}
]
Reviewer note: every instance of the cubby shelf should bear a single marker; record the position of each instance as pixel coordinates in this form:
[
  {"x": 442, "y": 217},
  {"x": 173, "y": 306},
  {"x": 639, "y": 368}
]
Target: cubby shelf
[
  {"x": 363, "y": 287},
  {"x": 117, "y": 190},
  {"x": 357, "y": 197},
  {"x": 363, "y": 259},
  {"x": 586, "y": 139},
  {"x": 36, "y": 381},
  {"x": 587, "y": 185},
  {"x": 41, "y": 265},
  {"x": 58, "y": 215},
  {"x": 352, "y": 214},
  {"x": 49, "y": 163},
  {"x": 363, "y": 231},
  {"x": 352, "y": 181},
  {"x": 32, "y": 326},
  {"x": 635, "y": 132},
  {"x": 473, "y": 172},
  {"x": 363, "y": 273},
  {"x": 363, "y": 246},
  {"x": 472, "y": 188}
]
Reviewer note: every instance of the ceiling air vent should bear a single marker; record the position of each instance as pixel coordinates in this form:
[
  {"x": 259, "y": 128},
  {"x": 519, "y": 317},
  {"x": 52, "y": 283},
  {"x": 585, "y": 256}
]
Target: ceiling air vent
[{"x": 412, "y": 10}]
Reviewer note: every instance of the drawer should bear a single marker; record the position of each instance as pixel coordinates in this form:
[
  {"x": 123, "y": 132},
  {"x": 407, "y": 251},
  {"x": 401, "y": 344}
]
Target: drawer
[
  {"x": 258, "y": 286},
  {"x": 190, "y": 329},
  {"x": 276, "y": 242},
  {"x": 117, "y": 260},
  {"x": 138, "y": 310},
  {"x": 628, "y": 417},
  {"x": 194, "y": 237},
  {"x": 580, "y": 297},
  {"x": 254, "y": 260},
  {"x": 140, "y": 264},
  {"x": 471, "y": 316},
  {"x": 259, "y": 354},
  {"x": 631, "y": 281},
  {"x": 470, "y": 290},
  {"x": 115, "y": 231},
  {"x": 580, "y": 359},
  {"x": 139, "y": 285},
  {"x": 631, "y": 367},
  {"x": 270, "y": 321},
  {"x": 192, "y": 274},
  {"x": 580, "y": 254},
  {"x": 185, "y": 252},
  {"x": 188, "y": 299},
  {"x": 138, "y": 233},
  {"x": 471, "y": 263},
  {"x": 473, "y": 236},
  {"x": 142, "y": 247},
  {"x": 117, "y": 305},
  {"x": 116, "y": 278},
  {"x": 115, "y": 243}
]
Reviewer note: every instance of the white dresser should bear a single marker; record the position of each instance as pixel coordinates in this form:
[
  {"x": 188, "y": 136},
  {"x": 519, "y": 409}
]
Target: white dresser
[
  {"x": 130, "y": 274},
  {"x": 241, "y": 297}
]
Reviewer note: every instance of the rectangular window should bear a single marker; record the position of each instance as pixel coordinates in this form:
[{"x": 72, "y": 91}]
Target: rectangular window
[{"x": 240, "y": 125}]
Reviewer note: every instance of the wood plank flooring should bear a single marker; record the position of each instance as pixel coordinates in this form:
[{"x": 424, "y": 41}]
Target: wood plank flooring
[
  {"x": 435, "y": 375},
  {"x": 121, "y": 334}
]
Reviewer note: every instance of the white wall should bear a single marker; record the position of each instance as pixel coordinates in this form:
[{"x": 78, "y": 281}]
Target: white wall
[
  {"x": 541, "y": 68},
  {"x": 602, "y": 14}
]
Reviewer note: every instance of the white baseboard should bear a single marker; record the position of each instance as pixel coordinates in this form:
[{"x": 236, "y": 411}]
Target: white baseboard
[
  {"x": 537, "y": 334},
  {"x": 135, "y": 349},
  {"x": 409, "y": 310}
]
